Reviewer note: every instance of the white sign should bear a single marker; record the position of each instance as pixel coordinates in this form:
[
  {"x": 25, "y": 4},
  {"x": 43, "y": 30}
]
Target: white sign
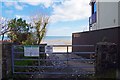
[
  {"x": 31, "y": 51},
  {"x": 48, "y": 49}
]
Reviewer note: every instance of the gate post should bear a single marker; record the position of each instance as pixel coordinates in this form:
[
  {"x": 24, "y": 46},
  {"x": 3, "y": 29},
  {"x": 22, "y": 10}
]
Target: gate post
[
  {"x": 12, "y": 61},
  {"x": 118, "y": 61},
  {"x": 0, "y": 61},
  {"x": 106, "y": 60}
]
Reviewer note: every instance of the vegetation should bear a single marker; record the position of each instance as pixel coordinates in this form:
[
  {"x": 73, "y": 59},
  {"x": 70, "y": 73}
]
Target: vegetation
[
  {"x": 20, "y": 32},
  {"x": 38, "y": 31},
  {"x": 40, "y": 24}
]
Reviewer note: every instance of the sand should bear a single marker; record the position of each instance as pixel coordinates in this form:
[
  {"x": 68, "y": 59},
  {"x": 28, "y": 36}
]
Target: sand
[
  {"x": 62, "y": 49},
  {"x": 59, "y": 42}
]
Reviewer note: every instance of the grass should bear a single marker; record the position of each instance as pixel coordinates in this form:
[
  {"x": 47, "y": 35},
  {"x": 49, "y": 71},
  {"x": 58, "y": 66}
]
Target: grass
[{"x": 25, "y": 63}]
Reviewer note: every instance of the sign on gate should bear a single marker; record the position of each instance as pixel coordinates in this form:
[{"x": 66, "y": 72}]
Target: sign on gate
[
  {"x": 48, "y": 49},
  {"x": 31, "y": 51}
]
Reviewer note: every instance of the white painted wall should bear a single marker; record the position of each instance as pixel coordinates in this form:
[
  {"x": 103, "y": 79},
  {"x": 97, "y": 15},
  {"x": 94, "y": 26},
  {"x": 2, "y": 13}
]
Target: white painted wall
[
  {"x": 107, "y": 15},
  {"x": 119, "y": 13}
]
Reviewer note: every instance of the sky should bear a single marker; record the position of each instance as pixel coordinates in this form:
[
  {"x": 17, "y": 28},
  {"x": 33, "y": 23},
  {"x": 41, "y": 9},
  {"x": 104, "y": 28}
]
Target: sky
[{"x": 66, "y": 16}]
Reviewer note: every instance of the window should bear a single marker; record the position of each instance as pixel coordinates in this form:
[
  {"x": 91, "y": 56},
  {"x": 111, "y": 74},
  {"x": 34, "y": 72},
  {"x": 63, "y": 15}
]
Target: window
[
  {"x": 76, "y": 35},
  {"x": 93, "y": 18},
  {"x": 94, "y": 7}
]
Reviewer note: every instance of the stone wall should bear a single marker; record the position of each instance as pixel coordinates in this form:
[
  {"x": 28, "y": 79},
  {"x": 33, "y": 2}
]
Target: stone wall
[
  {"x": 6, "y": 60},
  {"x": 106, "y": 60},
  {"x": 0, "y": 61}
]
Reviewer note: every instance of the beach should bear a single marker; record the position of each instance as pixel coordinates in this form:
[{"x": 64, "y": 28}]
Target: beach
[
  {"x": 62, "y": 49},
  {"x": 59, "y": 42},
  {"x": 53, "y": 40}
]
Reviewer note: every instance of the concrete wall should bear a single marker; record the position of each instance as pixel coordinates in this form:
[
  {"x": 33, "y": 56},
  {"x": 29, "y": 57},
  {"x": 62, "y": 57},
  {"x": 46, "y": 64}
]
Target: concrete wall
[
  {"x": 93, "y": 37},
  {"x": 0, "y": 61}
]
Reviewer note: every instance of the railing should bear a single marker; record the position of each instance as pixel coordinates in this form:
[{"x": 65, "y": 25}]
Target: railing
[
  {"x": 92, "y": 19},
  {"x": 65, "y": 61}
]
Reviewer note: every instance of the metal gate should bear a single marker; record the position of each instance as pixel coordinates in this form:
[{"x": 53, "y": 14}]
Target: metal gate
[{"x": 59, "y": 62}]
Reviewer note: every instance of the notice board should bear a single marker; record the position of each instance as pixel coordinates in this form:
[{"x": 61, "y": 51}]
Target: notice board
[{"x": 31, "y": 50}]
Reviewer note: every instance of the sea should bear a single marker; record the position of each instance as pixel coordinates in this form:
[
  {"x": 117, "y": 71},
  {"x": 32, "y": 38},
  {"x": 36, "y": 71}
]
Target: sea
[
  {"x": 52, "y": 39},
  {"x": 57, "y": 38}
]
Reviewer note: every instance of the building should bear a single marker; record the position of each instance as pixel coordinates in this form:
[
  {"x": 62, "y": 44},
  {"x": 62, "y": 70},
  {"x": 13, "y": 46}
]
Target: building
[
  {"x": 104, "y": 14},
  {"x": 104, "y": 25}
]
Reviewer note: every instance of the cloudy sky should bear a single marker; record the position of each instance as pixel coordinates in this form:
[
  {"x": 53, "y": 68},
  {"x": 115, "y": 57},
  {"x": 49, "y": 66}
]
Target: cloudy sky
[{"x": 66, "y": 16}]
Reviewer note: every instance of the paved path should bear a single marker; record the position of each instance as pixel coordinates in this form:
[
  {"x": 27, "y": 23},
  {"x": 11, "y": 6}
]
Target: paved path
[
  {"x": 65, "y": 64},
  {"x": 75, "y": 63}
]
